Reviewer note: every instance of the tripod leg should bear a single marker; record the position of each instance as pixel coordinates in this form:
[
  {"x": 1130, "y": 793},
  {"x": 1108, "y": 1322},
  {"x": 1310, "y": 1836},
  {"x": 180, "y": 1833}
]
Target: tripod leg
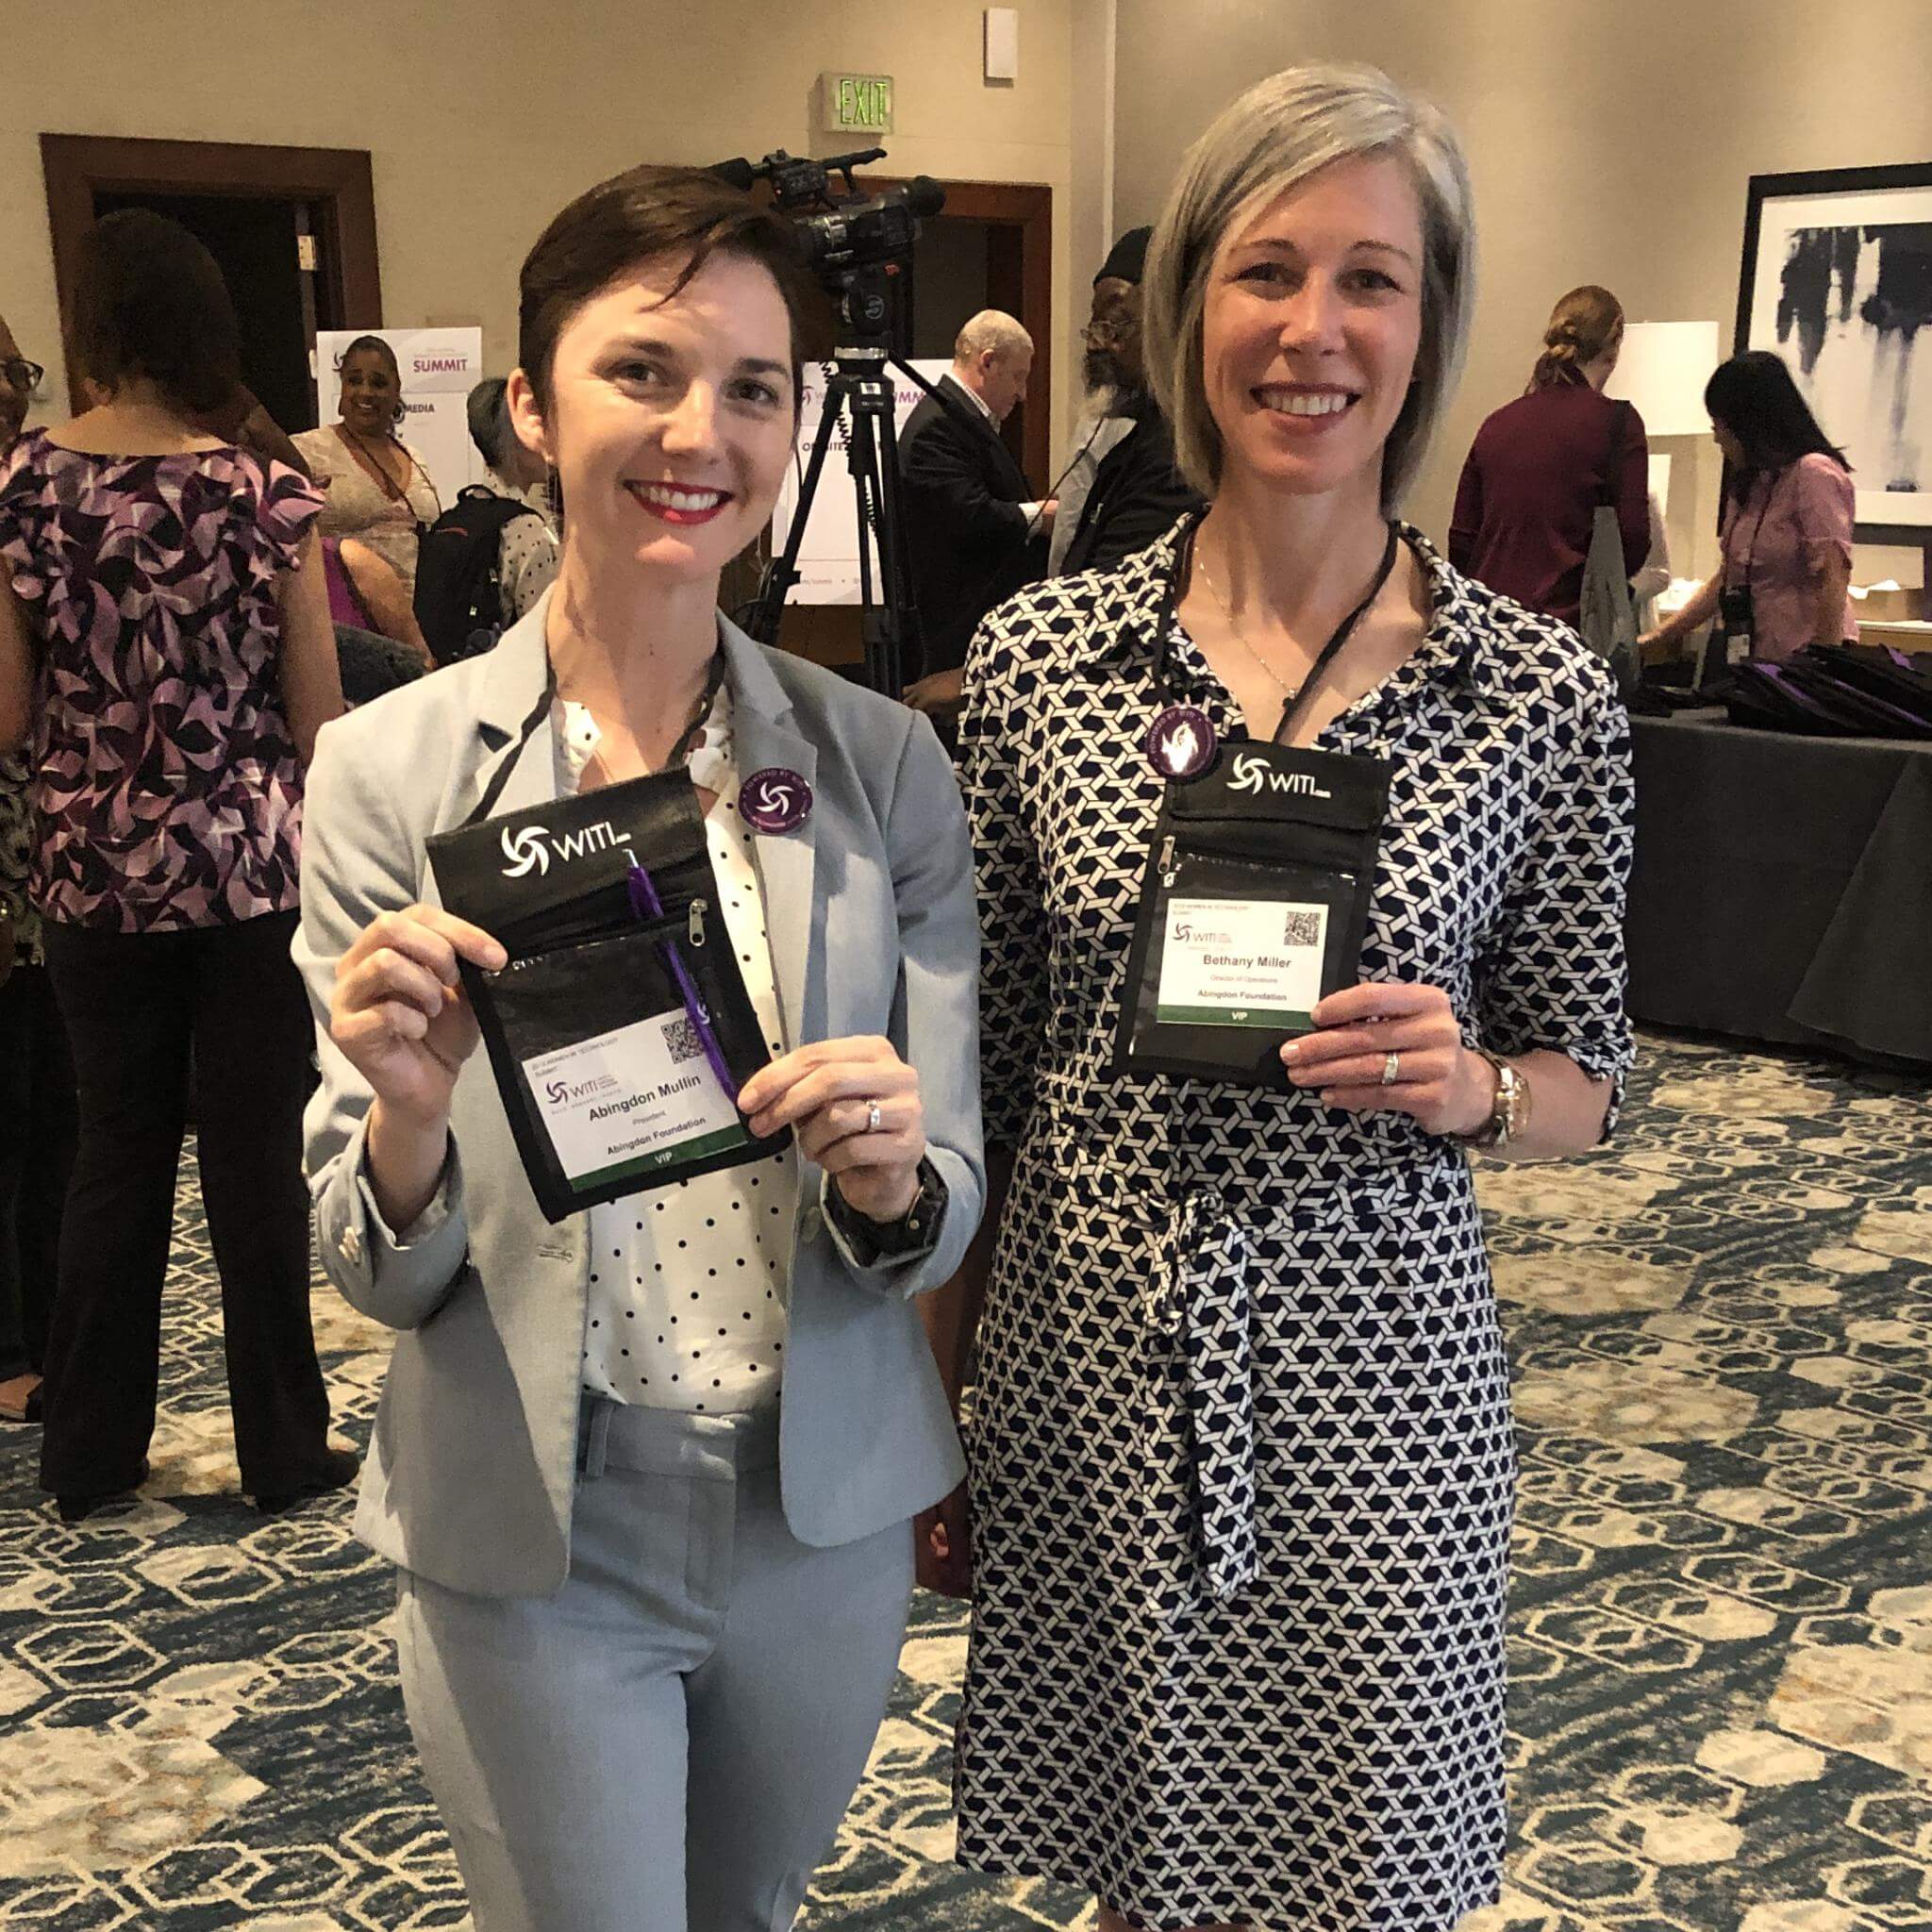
[
  {"x": 875, "y": 613},
  {"x": 768, "y": 612},
  {"x": 896, "y": 569}
]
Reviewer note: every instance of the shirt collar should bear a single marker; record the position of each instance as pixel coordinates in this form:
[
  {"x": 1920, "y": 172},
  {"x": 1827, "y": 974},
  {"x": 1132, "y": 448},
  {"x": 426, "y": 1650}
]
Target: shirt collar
[
  {"x": 712, "y": 764},
  {"x": 1462, "y": 644},
  {"x": 536, "y": 494},
  {"x": 978, "y": 401}
]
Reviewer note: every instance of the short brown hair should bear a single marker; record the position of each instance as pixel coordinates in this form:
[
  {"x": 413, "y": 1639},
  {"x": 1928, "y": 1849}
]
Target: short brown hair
[
  {"x": 1585, "y": 324},
  {"x": 149, "y": 301},
  {"x": 636, "y": 216}
]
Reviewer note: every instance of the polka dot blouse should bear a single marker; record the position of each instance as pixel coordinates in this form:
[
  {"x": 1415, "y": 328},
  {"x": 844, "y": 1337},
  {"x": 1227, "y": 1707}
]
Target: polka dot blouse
[{"x": 688, "y": 1283}]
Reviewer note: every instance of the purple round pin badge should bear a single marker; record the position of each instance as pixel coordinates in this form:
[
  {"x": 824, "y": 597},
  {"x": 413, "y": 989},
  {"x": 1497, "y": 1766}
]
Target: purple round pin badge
[
  {"x": 775, "y": 800},
  {"x": 1182, "y": 742}
]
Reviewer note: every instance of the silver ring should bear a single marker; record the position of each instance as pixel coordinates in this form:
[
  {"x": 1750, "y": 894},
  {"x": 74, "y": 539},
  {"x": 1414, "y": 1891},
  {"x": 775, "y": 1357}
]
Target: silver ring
[
  {"x": 874, "y": 1116},
  {"x": 1392, "y": 1068}
]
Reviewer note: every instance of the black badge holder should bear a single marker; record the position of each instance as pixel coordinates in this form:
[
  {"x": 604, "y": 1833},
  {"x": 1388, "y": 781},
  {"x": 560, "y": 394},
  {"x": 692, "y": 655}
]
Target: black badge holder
[
  {"x": 1290, "y": 834},
  {"x": 1297, "y": 830},
  {"x": 611, "y": 913}
]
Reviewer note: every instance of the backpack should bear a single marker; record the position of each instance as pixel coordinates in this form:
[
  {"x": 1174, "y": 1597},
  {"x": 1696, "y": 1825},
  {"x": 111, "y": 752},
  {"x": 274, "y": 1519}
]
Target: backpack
[{"x": 459, "y": 594}]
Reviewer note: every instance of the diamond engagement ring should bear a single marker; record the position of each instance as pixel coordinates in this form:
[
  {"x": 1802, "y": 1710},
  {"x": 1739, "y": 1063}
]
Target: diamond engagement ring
[
  {"x": 874, "y": 1116},
  {"x": 1392, "y": 1068}
]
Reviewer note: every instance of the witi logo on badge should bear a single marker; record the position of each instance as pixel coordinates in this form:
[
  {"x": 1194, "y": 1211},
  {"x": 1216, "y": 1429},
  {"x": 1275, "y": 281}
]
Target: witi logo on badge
[
  {"x": 535, "y": 846},
  {"x": 1254, "y": 774},
  {"x": 525, "y": 849}
]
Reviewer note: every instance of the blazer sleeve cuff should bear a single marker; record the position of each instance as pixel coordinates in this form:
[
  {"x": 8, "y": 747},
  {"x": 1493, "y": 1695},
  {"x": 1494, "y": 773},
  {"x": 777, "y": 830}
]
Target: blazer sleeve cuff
[
  {"x": 400, "y": 1279},
  {"x": 910, "y": 1274}
]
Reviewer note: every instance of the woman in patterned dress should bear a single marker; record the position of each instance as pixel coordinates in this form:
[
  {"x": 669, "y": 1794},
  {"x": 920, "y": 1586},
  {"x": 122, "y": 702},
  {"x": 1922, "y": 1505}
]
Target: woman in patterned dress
[{"x": 1241, "y": 1452}]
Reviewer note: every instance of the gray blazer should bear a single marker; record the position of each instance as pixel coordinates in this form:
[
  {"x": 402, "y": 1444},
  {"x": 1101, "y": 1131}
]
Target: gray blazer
[{"x": 870, "y": 912}]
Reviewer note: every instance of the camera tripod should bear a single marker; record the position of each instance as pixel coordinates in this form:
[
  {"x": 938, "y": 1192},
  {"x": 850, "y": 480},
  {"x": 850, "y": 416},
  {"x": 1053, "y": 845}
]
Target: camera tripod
[{"x": 859, "y": 393}]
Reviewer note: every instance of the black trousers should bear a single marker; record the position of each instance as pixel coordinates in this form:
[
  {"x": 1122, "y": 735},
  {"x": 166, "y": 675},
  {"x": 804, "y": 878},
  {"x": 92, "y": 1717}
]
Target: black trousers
[
  {"x": 37, "y": 1129},
  {"x": 134, "y": 1005}
]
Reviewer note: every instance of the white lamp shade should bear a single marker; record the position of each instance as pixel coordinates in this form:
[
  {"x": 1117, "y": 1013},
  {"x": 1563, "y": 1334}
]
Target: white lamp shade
[{"x": 1662, "y": 369}]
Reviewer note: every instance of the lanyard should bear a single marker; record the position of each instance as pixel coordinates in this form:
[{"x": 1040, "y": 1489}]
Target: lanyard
[
  {"x": 680, "y": 752},
  {"x": 1757, "y": 531},
  {"x": 1292, "y": 708},
  {"x": 373, "y": 469}
]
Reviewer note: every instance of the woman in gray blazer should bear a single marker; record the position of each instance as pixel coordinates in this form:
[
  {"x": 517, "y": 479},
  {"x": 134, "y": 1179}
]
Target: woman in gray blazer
[{"x": 648, "y": 1610}]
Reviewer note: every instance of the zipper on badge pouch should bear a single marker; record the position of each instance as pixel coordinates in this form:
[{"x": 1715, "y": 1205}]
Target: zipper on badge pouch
[{"x": 649, "y": 908}]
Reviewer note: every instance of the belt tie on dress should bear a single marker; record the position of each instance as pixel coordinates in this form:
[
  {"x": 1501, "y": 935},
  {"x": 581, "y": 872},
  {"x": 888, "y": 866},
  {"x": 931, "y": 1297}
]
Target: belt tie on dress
[{"x": 1207, "y": 1311}]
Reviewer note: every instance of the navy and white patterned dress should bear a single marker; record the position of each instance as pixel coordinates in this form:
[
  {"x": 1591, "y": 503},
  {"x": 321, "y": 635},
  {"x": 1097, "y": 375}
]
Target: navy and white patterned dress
[{"x": 1241, "y": 1456}]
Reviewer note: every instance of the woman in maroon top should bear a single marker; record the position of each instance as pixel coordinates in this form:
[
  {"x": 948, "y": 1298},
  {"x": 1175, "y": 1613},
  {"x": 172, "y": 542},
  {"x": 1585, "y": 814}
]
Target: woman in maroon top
[
  {"x": 1540, "y": 465},
  {"x": 166, "y": 651}
]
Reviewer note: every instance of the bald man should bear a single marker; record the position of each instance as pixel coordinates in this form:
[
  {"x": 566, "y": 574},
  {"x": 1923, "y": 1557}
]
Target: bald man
[{"x": 973, "y": 528}]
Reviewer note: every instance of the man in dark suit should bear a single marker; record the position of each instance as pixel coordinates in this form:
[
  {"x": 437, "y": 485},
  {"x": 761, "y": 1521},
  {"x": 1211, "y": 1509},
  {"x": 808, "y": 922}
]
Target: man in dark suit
[{"x": 974, "y": 532}]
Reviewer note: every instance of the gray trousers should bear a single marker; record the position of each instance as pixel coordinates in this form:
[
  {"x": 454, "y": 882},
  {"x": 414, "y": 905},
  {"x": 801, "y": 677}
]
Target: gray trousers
[{"x": 668, "y": 1743}]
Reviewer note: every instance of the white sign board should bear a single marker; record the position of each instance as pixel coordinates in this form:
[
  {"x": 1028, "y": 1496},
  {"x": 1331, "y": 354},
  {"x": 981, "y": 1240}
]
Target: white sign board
[
  {"x": 829, "y": 558},
  {"x": 439, "y": 367}
]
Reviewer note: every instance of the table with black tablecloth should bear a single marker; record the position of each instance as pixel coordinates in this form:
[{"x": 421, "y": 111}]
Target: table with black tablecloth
[{"x": 1782, "y": 889}]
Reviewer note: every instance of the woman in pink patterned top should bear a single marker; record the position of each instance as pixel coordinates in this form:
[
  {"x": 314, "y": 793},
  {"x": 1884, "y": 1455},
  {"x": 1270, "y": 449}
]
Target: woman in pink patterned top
[
  {"x": 165, "y": 651},
  {"x": 1787, "y": 518}
]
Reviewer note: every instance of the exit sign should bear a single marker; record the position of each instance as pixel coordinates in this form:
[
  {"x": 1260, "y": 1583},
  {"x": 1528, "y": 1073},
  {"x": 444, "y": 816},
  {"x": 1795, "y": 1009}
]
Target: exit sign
[{"x": 856, "y": 102}]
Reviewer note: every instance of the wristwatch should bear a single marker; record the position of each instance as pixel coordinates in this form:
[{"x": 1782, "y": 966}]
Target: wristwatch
[
  {"x": 915, "y": 1232},
  {"x": 1509, "y": 1111}
]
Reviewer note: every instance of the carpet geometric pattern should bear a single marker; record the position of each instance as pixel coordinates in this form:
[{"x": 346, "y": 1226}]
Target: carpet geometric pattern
[{"x": 1722, "y": 1618}]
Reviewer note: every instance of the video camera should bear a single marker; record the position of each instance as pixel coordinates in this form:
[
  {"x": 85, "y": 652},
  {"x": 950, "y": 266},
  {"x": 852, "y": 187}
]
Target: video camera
[{"x": 852, "y": 243}]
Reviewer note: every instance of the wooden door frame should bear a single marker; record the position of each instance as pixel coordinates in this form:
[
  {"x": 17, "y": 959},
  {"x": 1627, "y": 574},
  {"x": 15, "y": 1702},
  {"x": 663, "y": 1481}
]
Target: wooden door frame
[
  {"x": 1028, "y": 208},
  {"x": 339, "y": 180}
]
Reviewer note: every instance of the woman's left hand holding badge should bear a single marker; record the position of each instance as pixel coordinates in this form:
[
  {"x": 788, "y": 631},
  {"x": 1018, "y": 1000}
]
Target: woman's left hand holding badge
[
  {"x": 829, "y": 1095},
  {"x": 1394, "y": 1047}
]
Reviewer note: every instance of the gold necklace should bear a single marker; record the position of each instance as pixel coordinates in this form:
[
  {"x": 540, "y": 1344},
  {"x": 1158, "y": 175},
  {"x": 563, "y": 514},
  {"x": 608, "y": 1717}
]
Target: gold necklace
[{"x": 1289, "y": 691}]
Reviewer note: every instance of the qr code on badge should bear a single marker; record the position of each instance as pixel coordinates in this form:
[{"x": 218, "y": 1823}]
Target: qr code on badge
[
  {"x": 681, "y": 1037},
  {"x": 1302, "y": 926}
]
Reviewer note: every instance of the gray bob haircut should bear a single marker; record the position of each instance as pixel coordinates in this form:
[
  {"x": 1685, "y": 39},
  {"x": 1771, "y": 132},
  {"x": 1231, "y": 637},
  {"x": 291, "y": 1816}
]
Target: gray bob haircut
[{"x": 1277, "y": 134}]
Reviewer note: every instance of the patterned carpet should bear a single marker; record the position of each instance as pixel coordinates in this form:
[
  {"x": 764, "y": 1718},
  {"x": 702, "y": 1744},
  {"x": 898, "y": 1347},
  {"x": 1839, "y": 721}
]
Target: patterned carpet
[{"x": 1722, "y": 1632}]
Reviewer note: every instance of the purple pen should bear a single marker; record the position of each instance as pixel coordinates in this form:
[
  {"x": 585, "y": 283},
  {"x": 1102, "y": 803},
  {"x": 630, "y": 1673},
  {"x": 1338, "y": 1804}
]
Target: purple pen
[{"x": 646, "y": 903}]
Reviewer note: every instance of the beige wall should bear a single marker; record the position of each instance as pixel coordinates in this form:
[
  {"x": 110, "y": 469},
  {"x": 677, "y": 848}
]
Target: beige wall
[
  {"x": 1608, "y": 144},
  {"x": 484, "y": 117}
]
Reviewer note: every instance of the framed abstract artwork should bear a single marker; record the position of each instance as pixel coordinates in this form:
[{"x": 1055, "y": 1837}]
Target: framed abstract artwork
[{"x": 1838, "y": 280}]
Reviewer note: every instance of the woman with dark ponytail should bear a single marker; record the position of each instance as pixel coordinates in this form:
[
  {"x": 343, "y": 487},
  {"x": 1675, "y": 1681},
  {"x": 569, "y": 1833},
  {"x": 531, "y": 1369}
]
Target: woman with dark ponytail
[
  {"x": 1540, "y": 466},
  {"x": 1787, "y": 520}
]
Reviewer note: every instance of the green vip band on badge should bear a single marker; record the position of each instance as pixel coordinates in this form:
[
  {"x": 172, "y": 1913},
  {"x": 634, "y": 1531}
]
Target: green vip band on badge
[
  {"x": 1264, "y": 1019},
  {"x": 643, "y": 1167},
  {"x": 1242, "y": 962},
  {"x": 633, "y": 1102}
]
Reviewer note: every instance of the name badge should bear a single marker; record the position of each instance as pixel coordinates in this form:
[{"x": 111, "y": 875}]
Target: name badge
[
  {"x": 1242, "y": 962},
  {"x": 626, "y": 1104},
  {"x": 1254, "y": 904}
]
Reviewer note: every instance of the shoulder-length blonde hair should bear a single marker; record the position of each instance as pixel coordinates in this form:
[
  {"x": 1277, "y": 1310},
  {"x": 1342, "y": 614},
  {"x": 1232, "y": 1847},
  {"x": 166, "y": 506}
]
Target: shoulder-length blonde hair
[{"x": 1278, "y": 133}]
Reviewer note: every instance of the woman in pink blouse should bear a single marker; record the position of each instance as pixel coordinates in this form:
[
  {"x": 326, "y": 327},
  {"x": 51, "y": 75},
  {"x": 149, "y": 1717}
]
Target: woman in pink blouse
[
  {"x": 165, "y": 651},
  {"x": 1787, "y": 531}
]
